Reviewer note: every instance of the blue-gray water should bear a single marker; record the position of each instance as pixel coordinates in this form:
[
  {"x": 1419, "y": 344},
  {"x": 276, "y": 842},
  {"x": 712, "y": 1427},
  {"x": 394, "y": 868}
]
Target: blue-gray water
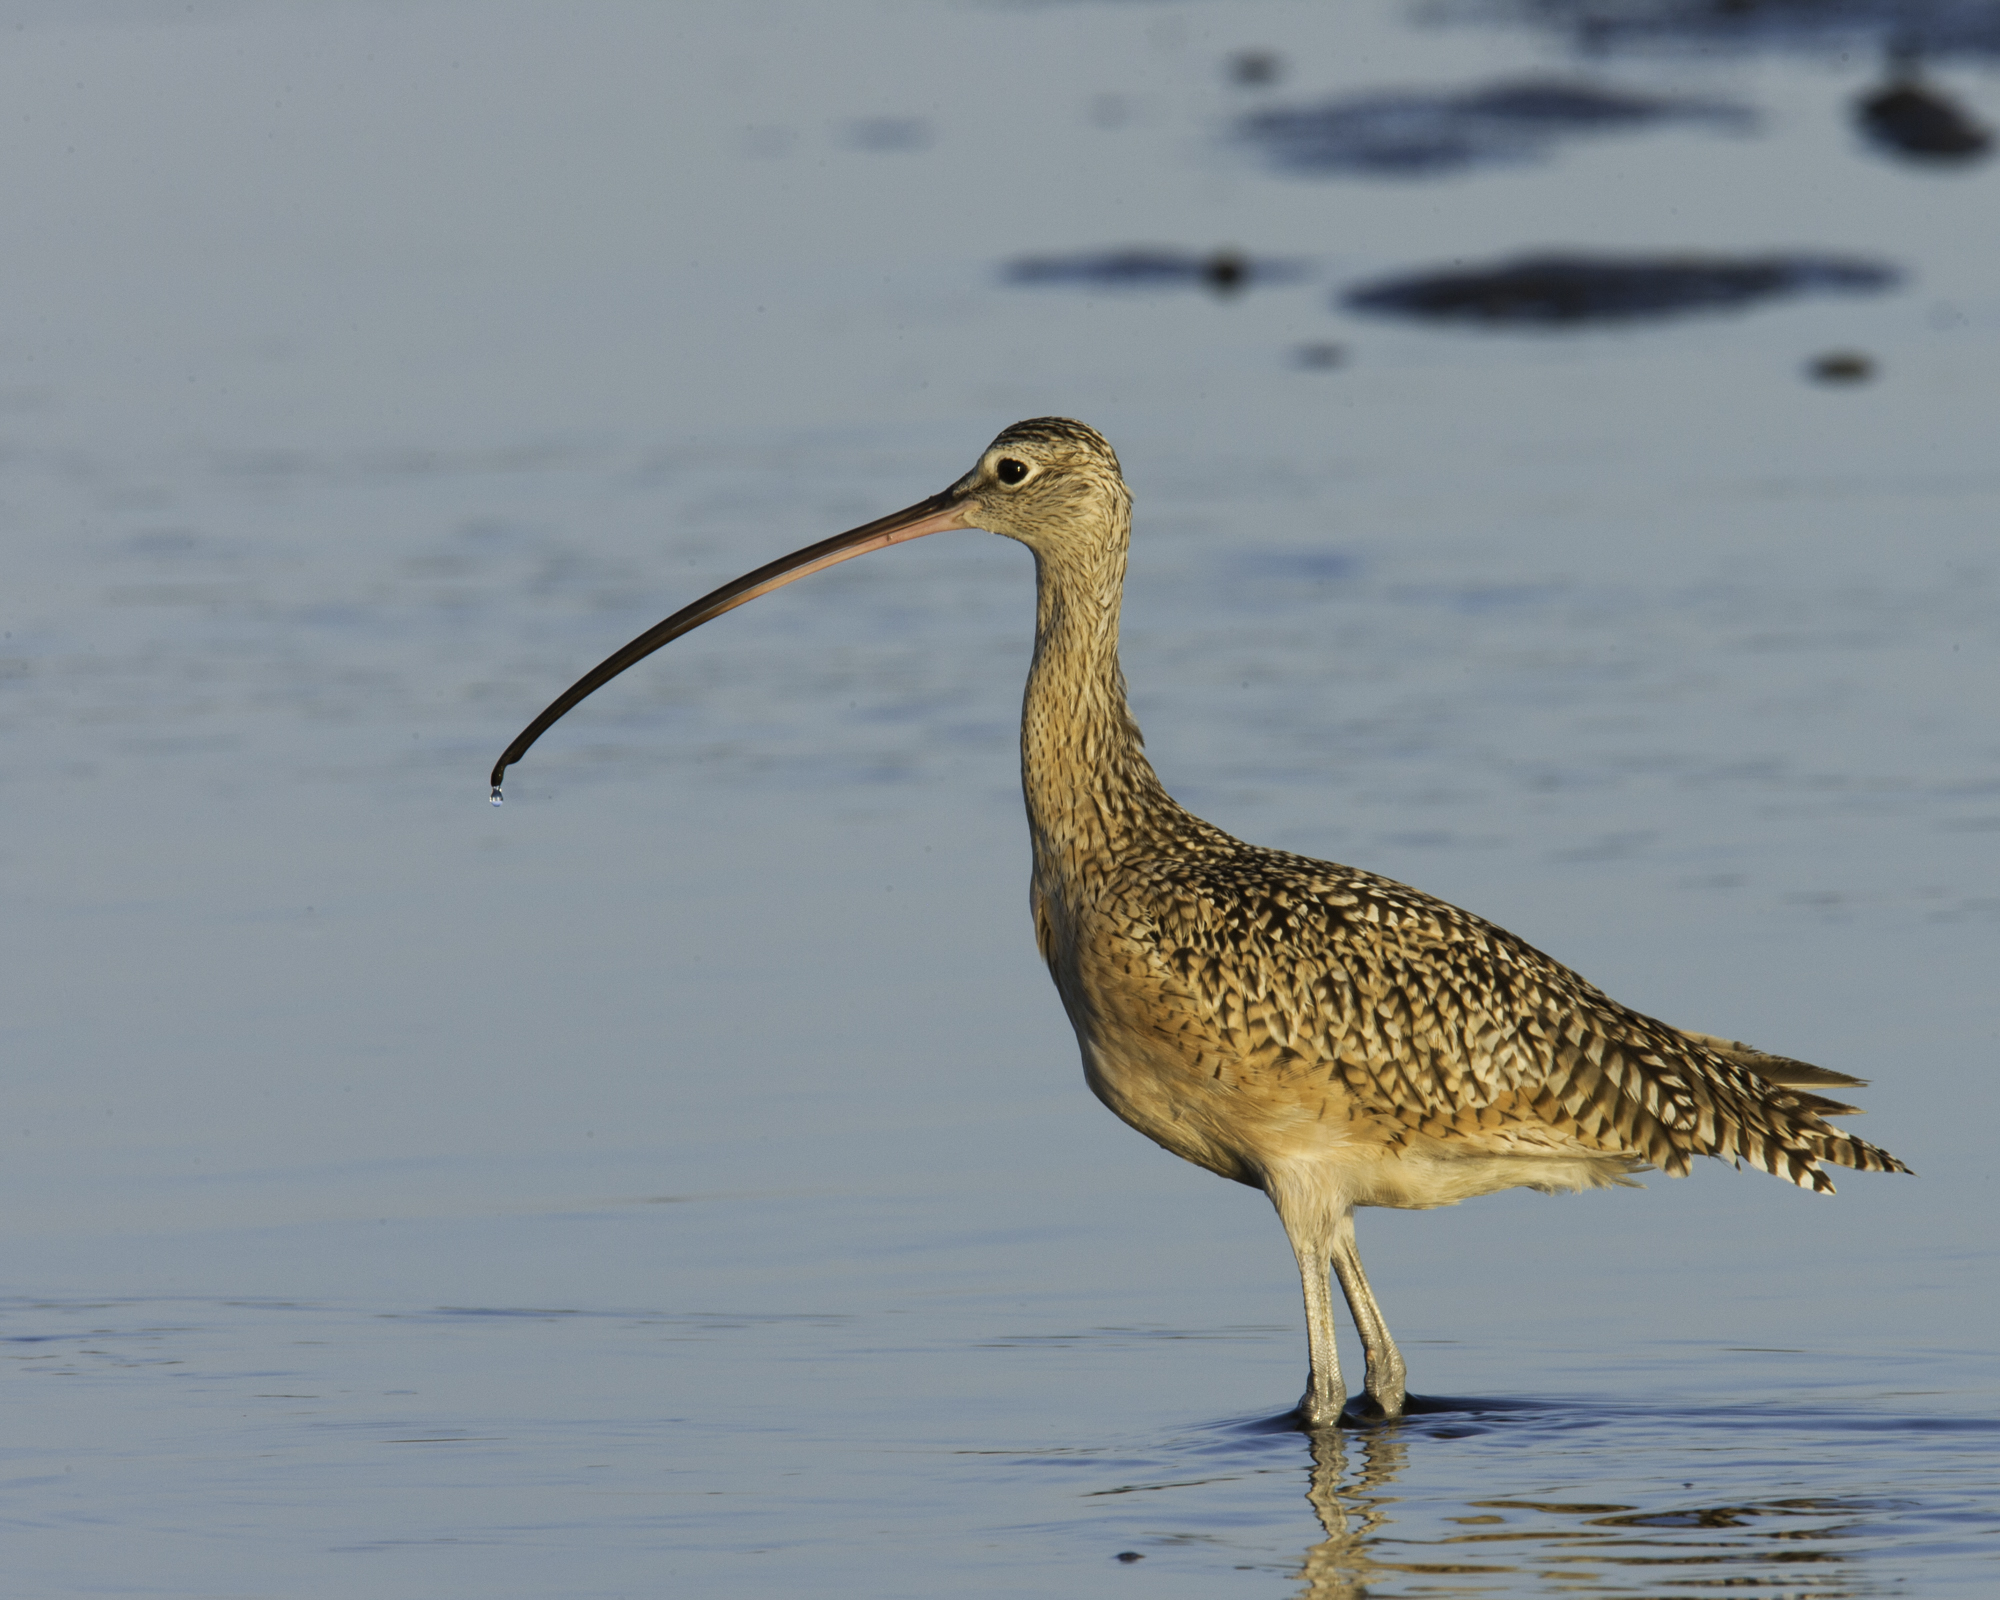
[{"x": 680, "y": 1180}]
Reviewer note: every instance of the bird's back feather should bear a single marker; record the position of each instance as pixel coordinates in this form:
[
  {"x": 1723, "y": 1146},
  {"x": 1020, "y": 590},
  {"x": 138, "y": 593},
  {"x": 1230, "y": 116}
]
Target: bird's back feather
[{"x": 1457, "y": 1030}]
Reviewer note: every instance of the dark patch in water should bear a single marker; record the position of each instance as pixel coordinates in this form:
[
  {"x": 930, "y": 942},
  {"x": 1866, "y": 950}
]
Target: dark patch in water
[
  {"x": 537, "y": 1313},
  {"x": 1841, "y": 366},
  {"x": 1255, "y": 69},
  {"x": 1909, "y": 118},
  {"x": 1954, "y": 27},
  {"x": 1281, "y": 1422},
  {"x": 1558, "y": 290},
  {"x": 1416, "y": 133},
  {"x": 1221, "y": 271},
  {"x": 890, "y": 134},
  {"x": 1446, "y": 1405}
]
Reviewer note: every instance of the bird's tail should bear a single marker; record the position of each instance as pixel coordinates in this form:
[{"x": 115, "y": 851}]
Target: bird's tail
[{"x": 1798, "y": 1138}]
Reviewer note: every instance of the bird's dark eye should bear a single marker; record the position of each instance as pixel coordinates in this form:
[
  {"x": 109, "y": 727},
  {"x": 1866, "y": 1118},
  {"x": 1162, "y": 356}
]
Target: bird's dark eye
[{"x": 1010, "y": 471}]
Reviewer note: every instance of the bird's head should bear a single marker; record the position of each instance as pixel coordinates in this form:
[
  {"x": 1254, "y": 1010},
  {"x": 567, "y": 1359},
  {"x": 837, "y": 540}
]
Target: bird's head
[{"x": 1050, "y": 483}]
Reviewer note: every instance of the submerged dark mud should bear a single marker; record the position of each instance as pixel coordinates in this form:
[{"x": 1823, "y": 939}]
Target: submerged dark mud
[
  {"x": 1562, "y": 290},
  {"x": 1412, "y": 133},
  {"x": 1938, "y": 27},
  {"x": 1145, "y": 267},
  {"x": 1914, "y": 119}
]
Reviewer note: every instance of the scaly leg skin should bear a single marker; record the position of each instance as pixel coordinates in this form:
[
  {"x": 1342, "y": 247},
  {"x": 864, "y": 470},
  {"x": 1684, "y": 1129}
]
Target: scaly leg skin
[
  {"x": 1383, "y": 1390},
  {"x": 1325, "y": 1394}
]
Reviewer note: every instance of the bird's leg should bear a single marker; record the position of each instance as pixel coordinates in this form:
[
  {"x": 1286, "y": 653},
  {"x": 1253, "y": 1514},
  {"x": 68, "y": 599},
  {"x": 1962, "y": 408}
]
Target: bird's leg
[
  {"x": 1309, "y": 1226},
  {"x": 1382, "y": 1388},
  {"x": 1319, "y": 1406}
]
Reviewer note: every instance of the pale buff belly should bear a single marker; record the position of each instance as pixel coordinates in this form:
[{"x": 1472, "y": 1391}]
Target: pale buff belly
[
  {"x": 1204, "y": 1108},
  {"x": 1259, "y": 1121}
]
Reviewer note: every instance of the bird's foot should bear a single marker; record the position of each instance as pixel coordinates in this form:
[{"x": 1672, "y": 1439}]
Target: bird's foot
[
  {"x": 1383, "y": 1390},
  {"x": 1321, "y": 1408},
  {"x": 1370, "y": 1407}
]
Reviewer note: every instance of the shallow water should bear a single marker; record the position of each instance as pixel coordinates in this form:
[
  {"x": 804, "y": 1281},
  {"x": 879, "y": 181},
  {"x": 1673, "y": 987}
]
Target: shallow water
[
  {"x": 392, "y": 1448},
  {"x": 681, "y": 1179}
]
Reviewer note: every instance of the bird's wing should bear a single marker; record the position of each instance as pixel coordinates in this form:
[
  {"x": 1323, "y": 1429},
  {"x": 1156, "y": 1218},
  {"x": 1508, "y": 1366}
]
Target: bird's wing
[{"x": 1454, "y": 1027}]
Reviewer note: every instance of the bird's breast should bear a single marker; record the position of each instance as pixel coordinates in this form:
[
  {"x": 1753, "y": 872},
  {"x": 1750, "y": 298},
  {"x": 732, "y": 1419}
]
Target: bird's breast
[{"x": 1155, "y": 1055}]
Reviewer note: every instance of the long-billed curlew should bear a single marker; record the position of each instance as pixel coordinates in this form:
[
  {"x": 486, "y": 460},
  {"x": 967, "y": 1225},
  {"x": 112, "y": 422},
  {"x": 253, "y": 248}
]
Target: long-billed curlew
[{"x": 1327, "y": 1036}]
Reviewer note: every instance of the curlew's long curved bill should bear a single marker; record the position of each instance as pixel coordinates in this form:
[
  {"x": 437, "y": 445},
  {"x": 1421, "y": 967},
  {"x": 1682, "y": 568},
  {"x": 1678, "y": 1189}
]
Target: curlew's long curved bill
[{"x": 938, "y": 514}]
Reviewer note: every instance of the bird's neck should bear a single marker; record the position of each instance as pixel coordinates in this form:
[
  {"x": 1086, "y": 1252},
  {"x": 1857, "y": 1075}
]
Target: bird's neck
[{"x": 1092, "y": 794}]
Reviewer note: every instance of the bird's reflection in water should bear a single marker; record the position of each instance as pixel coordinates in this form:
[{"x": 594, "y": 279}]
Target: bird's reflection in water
[
  {"x": 1350, "y": 1509},
  {"x": 1802, "y": 1544}
]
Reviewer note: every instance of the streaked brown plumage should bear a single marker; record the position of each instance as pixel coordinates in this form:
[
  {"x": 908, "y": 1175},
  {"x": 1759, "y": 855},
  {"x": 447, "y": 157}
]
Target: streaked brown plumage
[{"x": 1328, "y": 1036}]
